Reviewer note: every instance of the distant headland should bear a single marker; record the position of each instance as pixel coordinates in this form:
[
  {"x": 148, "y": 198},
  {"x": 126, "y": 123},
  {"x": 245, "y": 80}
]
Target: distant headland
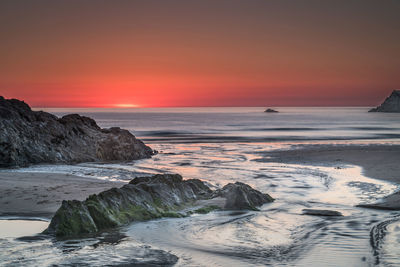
[{"x": 391, "y": 103}]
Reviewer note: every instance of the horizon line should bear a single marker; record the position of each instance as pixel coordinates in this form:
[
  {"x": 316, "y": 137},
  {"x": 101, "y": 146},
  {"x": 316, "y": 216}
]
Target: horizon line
[{"x": 144, "y": 107}]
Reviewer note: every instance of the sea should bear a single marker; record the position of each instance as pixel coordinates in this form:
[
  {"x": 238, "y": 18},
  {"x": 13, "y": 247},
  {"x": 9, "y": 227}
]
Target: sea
[{"x": 223, "y": 145}]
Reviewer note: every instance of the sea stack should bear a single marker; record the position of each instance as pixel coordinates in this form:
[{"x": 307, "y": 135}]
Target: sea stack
[
  {"x": 391, "y": 103},
  {"x": 29, "y": 137},
  {"x": 270, "y": 110}
]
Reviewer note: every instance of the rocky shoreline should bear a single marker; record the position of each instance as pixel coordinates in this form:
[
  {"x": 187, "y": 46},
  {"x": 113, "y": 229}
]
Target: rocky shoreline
[
  {"x": 146, "y": 198},
  {"x": 32, "y": 137}
]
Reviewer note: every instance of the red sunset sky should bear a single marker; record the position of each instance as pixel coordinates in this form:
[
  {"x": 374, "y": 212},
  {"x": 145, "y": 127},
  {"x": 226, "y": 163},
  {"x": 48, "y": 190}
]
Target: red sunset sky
[{"x": 199, "y": 53}]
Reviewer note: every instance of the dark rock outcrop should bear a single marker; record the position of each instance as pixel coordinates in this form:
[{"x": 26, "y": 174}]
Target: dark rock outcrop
[
  {"x": 147, "y": 198},
  {"x": 241, "y": 196},
  {"x": 391, "y": 103},
  {"x": 29, "y": 137},
  {"x": 315, "y": 212},
  {"x": 270, "y": 110}
]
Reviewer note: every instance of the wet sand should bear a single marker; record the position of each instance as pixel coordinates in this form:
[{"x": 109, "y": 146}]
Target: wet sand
[
  {"x": 378, "y": 162},
  {"x": 41, "y": 194}
]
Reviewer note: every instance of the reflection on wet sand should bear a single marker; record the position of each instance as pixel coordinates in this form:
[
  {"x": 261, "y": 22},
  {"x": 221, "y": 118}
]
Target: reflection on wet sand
[{"x": 279, "y": 234}]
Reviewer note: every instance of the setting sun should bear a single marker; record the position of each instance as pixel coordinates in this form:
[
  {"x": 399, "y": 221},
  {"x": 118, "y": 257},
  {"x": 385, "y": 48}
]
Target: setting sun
[{"x": 126, "y": 106}]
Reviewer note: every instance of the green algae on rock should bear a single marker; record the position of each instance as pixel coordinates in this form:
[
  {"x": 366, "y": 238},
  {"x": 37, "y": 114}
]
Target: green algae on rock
[
  {"x": 146, "y": 198},
  {"x": 206, "y": 209}
]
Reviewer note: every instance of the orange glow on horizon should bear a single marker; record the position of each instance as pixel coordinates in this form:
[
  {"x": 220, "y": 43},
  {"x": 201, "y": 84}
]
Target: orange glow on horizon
[
  {"x": 198, "y": 53},
  {"x": 125, "y": 106},
  {"x": 175, "y": 91}
]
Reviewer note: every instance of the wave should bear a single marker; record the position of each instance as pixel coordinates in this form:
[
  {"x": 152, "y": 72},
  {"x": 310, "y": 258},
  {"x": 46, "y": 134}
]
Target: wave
[
  {"x": 199, "y": 138},
  {"x": 287, "y": 129},
  {"x": 372, "y": 128}
]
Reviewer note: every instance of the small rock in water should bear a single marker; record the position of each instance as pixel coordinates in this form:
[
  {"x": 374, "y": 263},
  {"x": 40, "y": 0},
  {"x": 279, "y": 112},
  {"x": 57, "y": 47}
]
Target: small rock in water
[
  {"x": 321, "y": 212},
  {"x": 270, "y": 110}
]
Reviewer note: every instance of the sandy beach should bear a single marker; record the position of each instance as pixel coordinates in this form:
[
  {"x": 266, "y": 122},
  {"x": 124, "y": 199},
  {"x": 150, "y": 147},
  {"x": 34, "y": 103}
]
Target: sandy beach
[
  {"x": 41, "y": 194},
  {"x": 377, "y": 161}
]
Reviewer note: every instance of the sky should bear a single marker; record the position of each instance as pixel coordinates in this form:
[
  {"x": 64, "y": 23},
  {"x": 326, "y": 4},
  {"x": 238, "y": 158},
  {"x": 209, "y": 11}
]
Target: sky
[{"x": 199, "y": 53}]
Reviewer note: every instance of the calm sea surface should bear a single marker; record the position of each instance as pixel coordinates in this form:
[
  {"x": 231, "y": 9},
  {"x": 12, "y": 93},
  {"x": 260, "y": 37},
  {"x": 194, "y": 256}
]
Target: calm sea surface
[
  {"x": 221, "y": 145},
  {"x": 192, "y": 125}
]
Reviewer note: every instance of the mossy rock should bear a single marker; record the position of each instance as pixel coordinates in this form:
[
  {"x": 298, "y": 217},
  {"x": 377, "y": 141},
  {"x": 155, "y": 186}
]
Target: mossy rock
[
  {"x": 206, "y": 209},
  {"x": 146, "y": 198},
  {"x": 72, "y": 218}
]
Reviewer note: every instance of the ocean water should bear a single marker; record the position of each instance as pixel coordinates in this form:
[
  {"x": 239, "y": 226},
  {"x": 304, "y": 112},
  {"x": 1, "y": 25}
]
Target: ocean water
[
  {"x": 222, "y": 145},
  {"x": 202, "y": 125}
]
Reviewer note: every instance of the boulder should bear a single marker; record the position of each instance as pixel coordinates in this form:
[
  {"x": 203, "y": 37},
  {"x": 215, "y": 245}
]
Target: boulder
[
  {"x": 241, "y": 196},
  {"x": 145, "y": 198},
  {"x": 391, "y": 103},
  {"x": 29, "y": 137}
]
